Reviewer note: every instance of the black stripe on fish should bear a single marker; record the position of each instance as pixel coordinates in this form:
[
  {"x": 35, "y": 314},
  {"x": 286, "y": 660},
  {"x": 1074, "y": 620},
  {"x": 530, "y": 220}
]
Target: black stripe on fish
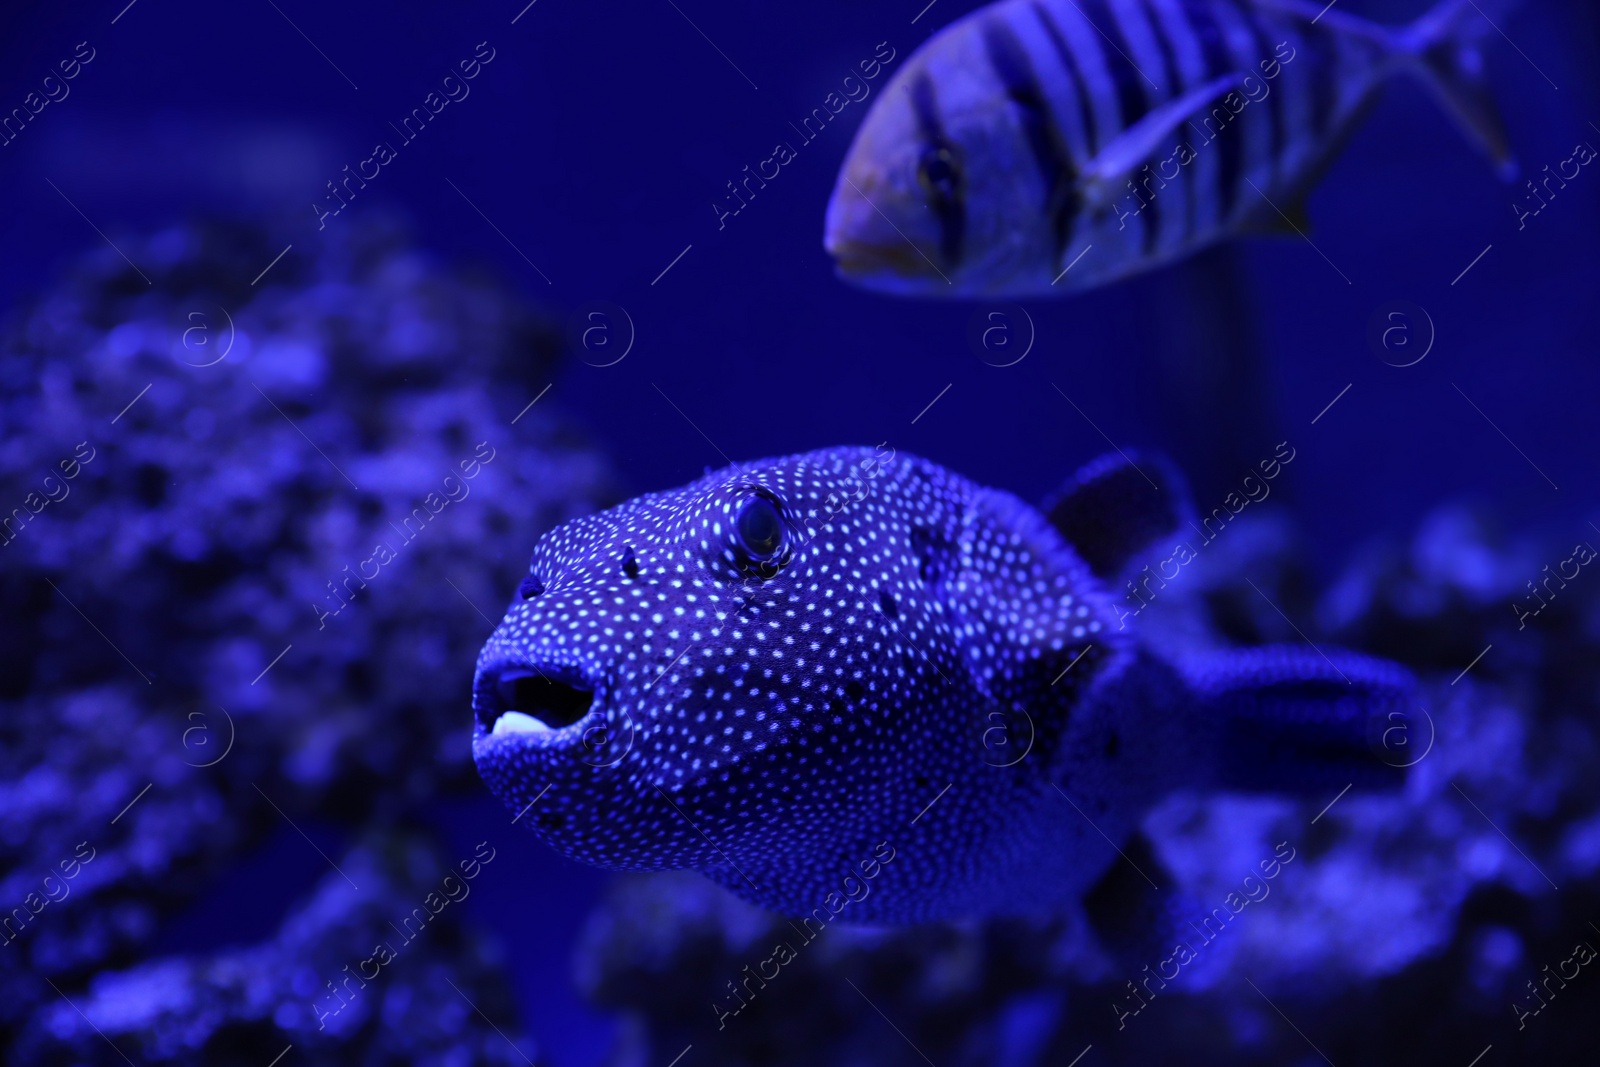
[
  {"x": 1132, "y": 101},
  {"x": 1070, "y": 204},
  {"x": 1264, "y": 51},
  {"x": 1080, "y": 88},
  {"x": 951, "y": 211},
  {"x": 1219, "y": 61},
  {"x": 1125, "y": 76},
  {"x": 1015, "y": 71},
  {"x": 1321, "y": 74},
  {"x": 1174, "y": 79}
]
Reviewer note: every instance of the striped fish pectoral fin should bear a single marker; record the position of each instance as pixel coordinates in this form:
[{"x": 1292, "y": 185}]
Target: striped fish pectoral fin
[{"x": 1101, "y": 178}]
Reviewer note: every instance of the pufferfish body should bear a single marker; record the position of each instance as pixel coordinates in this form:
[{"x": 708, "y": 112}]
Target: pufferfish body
[{"x": 792, "y": 666}]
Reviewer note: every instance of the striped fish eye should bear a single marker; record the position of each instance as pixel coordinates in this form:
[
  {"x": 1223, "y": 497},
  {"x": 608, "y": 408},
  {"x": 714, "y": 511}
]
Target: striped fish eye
[{"x": 940, "y": 173}]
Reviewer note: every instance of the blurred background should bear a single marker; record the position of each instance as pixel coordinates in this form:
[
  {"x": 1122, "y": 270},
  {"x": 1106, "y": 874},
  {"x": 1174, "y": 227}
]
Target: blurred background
[{"x": 251, "y": 388}]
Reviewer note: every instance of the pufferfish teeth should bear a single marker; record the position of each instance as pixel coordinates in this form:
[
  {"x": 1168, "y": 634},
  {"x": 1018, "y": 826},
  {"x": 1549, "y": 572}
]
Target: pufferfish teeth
[{"x": 515, "y": 722}]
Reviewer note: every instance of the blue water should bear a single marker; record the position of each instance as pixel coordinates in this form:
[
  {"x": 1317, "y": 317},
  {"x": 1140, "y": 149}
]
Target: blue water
[{"x": 600, "y": 136}]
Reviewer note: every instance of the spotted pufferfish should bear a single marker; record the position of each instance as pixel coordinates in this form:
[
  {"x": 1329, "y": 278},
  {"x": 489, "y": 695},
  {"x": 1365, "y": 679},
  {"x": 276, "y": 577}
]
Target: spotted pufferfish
[{"x": 766, "y": 674}]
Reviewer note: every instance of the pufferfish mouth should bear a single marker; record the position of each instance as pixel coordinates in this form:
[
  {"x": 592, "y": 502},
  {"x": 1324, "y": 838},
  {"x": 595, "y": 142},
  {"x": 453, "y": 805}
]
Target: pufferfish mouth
[{"x": 529, "y": 698}]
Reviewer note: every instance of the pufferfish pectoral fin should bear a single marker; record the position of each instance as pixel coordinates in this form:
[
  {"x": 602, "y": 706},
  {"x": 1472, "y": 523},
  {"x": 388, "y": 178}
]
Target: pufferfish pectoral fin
[
  {"x": 1117, "y": 506},
  {"x": 1048, "y": 621}
]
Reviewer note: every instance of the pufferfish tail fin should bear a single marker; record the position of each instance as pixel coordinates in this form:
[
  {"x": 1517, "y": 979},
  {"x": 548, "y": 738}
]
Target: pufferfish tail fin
[
  {"x": 1441, "y": 49},
  {"x": 1118, "y": 506},
  {"x": 1288, "y": 719}
]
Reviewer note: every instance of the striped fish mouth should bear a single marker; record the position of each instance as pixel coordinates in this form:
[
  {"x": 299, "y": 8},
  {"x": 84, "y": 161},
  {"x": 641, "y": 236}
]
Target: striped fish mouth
[
  {"x": 866, "y": 263},
  {"x": 869, "y": 249},
  {"x": 531, "y": 699}
]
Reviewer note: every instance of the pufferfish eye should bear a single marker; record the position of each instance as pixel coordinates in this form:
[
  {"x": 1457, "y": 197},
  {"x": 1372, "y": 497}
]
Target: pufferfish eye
[
  {"x": 758, "y": 529},
  {"x": 940, "y": 173}
]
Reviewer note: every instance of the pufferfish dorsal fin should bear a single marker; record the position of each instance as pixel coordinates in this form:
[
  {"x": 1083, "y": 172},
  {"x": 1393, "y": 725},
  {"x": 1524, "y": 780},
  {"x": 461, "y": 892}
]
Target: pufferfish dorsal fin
[{"x": 1116, "y": 506}]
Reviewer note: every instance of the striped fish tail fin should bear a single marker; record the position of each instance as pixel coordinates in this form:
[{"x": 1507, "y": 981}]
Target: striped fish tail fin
[{"x": 1442, "y": 49}]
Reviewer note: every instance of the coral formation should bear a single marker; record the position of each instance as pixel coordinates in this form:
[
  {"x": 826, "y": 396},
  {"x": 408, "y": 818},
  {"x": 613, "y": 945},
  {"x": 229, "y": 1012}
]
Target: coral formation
[{"x": 200, "y": 470}]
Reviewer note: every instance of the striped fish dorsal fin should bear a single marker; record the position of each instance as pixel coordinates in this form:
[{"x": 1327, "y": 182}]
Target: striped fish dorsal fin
[{"x": 1101, "y": 178}]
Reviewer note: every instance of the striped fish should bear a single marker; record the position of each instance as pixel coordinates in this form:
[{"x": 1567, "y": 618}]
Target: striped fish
[{"x": 1041, "y": 146}]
